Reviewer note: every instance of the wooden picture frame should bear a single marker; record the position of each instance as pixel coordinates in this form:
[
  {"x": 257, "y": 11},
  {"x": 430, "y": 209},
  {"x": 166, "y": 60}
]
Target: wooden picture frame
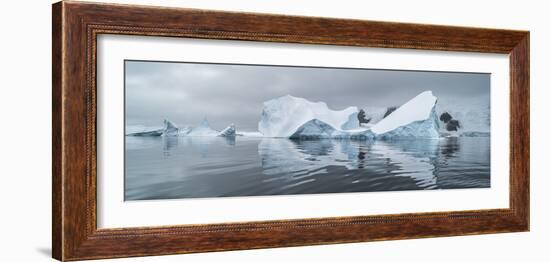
[{"x": 76, "y": 26}]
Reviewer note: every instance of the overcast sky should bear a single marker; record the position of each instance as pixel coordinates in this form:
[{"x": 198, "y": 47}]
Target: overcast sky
[{"x": 185, "y": 93}]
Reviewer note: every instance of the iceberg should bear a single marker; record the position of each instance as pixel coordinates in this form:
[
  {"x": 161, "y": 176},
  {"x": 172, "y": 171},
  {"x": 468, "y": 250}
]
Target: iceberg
[
  {"x": 298, "y": 118},
  {"x": 416, "y": 118},
  {"x": 473, "y": 115},
  {"x": 229, "y": 131},
  {"x": 283, "y": 116},
  {"x": 169, "y": 129},
  {"x": 157, "y": 132},
  {"x": 203, "y": 130},
  {"x": 317, "y": 129},
  {"x": 314, "y": 129}
]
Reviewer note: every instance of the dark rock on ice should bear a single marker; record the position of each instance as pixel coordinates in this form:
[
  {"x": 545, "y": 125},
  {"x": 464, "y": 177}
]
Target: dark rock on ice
[
  {"x": 453, "y": 125},
  {"x": 389, "y": 111},
  {"x": 445, "y": 117}
]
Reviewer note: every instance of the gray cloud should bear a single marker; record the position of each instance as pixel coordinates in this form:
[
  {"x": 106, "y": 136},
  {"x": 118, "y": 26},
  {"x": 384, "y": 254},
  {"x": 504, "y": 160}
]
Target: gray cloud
[{"x": 187, "y": 92}]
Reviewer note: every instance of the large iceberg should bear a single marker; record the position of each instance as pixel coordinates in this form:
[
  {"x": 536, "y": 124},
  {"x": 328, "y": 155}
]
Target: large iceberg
[
  {"x": 298, "y": 118},
  {"x": 283, "y": 116},
  {"x": 416, "y": 118}
]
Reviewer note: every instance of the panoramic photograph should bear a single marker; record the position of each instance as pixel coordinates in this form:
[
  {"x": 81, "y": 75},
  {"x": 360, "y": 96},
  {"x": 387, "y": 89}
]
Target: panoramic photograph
[{"x": 203, "y": 130}]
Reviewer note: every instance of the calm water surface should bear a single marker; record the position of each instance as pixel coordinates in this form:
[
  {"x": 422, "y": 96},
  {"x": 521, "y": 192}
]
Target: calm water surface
[{"x": 196, "y": 167}]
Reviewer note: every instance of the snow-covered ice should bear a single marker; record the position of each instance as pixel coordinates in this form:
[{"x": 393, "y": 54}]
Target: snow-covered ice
[
  {"x": 375, "y": 114},
  {"x": 416, "y": 118},
  {"x": 472, "y": 113},
  {"x": 281, "y": 117}
]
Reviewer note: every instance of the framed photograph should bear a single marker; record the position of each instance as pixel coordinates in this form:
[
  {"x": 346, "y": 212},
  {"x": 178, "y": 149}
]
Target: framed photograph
[{"x": 182, "y": 130}]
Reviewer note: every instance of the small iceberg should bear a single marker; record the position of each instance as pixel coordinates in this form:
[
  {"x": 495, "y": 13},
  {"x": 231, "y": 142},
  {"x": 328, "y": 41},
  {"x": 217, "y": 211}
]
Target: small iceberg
[
  {"x": 203, "y": 130},
  {"x": 249, "y": 134},
  {"x": 169, "y": 129},
  {"x": 229, "y": 131}
]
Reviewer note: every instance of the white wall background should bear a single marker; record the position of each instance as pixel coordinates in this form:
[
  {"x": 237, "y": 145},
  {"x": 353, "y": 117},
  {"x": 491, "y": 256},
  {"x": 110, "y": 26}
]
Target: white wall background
[{"x": 25, "y": 147}]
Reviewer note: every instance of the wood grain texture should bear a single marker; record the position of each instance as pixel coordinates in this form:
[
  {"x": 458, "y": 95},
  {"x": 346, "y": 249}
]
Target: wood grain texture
[
  {"x": 57, "y": 191},
  {"x": 76, "y": 27},
  {"x": 519, "y": 129}
]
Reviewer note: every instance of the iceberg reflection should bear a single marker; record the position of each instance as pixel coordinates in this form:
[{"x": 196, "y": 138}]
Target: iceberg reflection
[
  {"x": 189, "y": 167},
  {"x": 412, "y": 158}
]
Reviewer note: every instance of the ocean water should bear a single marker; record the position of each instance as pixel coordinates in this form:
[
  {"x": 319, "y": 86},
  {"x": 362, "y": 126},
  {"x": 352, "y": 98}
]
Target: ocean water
[{"x": 201, "y": 167}]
